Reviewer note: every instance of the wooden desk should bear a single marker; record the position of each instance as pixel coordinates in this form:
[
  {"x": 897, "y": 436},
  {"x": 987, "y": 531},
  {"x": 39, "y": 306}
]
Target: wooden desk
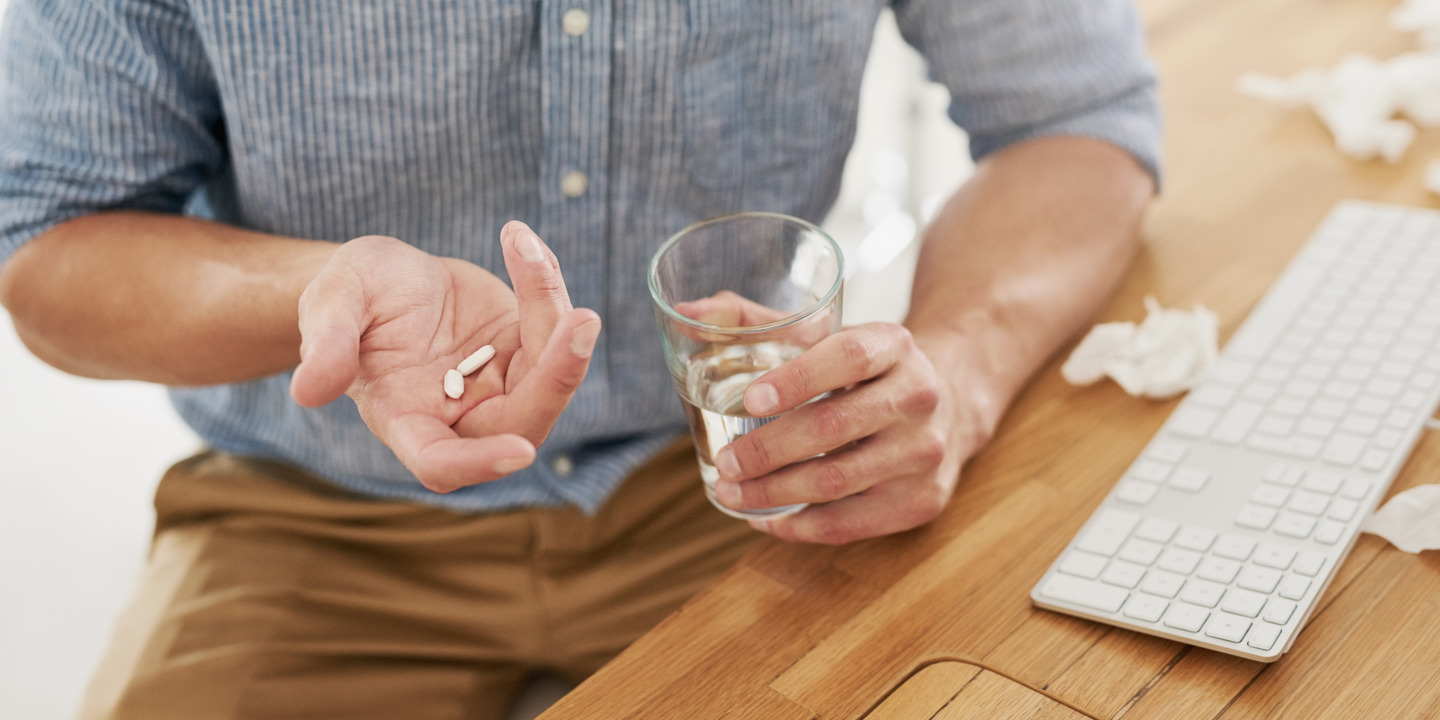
[{"x": 938, "y": 622}]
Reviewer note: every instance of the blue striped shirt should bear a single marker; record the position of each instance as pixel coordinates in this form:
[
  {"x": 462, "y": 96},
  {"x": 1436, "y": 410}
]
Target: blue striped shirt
[{"x": 437, "y": 122}]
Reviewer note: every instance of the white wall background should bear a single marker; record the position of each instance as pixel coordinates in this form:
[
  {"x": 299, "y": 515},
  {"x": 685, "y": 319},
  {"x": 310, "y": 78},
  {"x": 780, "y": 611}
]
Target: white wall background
[{"x": 80, "y": 458}]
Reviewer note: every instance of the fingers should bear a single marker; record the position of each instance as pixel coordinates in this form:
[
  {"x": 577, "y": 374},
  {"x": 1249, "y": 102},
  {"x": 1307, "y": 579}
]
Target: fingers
[
  {"x": 331, "y": 321},
  {"x": 539, "y": 287},
  {"x": 728, "y": 309},
  {"x": 906, "y": 395},
  {"x": 533, "y": 406},
  {"x": 838, "y": 475},
  {"x": 443, "y": 461},
  {"x": 886, "y": 509},
  {"x": 840, "y": 360}
]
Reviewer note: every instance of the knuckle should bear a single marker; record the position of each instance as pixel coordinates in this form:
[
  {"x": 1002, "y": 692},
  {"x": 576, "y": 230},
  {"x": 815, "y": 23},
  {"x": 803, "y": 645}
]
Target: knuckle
[
  {"x": 752, "y": 455},
  {"x": 832, "y": 424},
  {"x": 861, "y": 353},
  {"x": 931, "y": 448},
  {"x": 831, "y": 532},
  {"x": 922, "y": 399},
  {"x": 831, "y": 482}
]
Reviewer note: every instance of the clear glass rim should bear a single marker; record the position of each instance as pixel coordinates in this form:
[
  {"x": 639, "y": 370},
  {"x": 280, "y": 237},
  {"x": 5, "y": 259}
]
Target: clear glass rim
[{"x": 747, "y": 329}]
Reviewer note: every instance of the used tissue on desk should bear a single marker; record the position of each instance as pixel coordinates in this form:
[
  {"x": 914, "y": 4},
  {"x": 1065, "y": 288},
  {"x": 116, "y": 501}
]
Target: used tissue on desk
[
  {"x": 1167, "y": 354},
  {"x": 1410, "y": 520},
  {"x": 1359, "y": 98}
]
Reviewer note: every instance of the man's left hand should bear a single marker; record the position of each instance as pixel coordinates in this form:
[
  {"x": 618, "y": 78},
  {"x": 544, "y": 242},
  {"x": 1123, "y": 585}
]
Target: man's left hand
[{"x": 880, "y": 454}]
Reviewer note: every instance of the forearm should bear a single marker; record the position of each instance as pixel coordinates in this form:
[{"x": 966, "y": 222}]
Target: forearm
[
  {"x": 179, "y": 301},
  {"x": 1021, "y": 259}
]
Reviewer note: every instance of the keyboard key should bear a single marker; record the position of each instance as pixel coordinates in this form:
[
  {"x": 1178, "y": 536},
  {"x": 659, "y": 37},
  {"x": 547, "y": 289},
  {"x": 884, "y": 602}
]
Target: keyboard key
[
  {"x": 1108, "y": 531},
  {"x": 1255, "y": 517},
  {"x": 1321, "y": 482},
  {"x": 1243, "y": 602},
  {"x": 1146, "y": 607},
  {"x": 1342, "y": 510},
  {"x": 1288, "y": 406},
  {"x": 1344, "y": 449},
  {"x": 1086, "y": 593},
  {"x": 1281, "y": 474},
  {"x": 1400, "y": 419},
  {"x": 1355, "y": 489},
  {"x": 1235, "y": 547},
  {"x": 1296, "y": 447},
  {"x": 1293, "y": 587},
  {"x": 1194, "y": 538},
  {"x": 1203, "y": 592},
  {"x": 1156, "y": 529},
  {"x": 1309, "y": 563},
  {"x": 1374, "y": 460},
  {"x": 1315, "y": 427},
  {"x": 1278, "y": 611},
  {"x": 1166, "y": 451},
  {"x": 1274, "y": 556},
  {"x": 1296, "y": 526},
  {"x": 1139, "y": 551},
  {"x": 1082, "y": 564},
  {"x": 1360, "y": 425},
  {"x": 1136, "y": 492},
  {"x": 1227, "y": 627},
  {"x": 1263, "y": 636},
  {"x": 1328, "y": 409},
  {"x": 1186, "y": 617},
  {"x": 1163, "y": 583},
  {"x": 1191, "y": 422},
  {"x": 1235, "y": 424},
  {"x": 1271, "y": 495},
  {"x": 1259, "y": 579},
  {"x": 1386, "y": 440},
  {"x": 1372, "y": 406},
  {"x": 1178, "y": 561},
  {"x": 1309, "y": 503},
  {"x": 1214, "y": 396},
  {"x": 1189, "y": 479},
  {"x": 1329, "y": 532},
  {"x": 1123, "y": 574},
  {"x": 1217, "y": 570},
  {"x": 1150, "y": 471}
]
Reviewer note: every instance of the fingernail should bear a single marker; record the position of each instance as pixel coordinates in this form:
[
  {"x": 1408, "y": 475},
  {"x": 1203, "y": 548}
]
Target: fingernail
[
  {"x": 582, "y": 340},
  {"x": 728, "y": 494},
  {"x": 761, "y": 398},
  {"x": 727, "y": 464},
  {"x": 760, "y": 525},
  {"x": 529, "y": 246},
  {"x": 510, "y": 465}
]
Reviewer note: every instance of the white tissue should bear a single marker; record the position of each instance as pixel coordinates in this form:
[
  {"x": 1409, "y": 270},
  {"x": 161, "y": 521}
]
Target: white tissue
[
  {"x": 1410, "y": 520},
  {"x": 1359, "y": 98},
  {"x": 1169, "y": 353},
  {"x": 1421, "y": 17}
]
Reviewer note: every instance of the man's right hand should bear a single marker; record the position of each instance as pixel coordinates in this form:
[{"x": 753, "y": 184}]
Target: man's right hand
[{"x": 384, "y": 321}]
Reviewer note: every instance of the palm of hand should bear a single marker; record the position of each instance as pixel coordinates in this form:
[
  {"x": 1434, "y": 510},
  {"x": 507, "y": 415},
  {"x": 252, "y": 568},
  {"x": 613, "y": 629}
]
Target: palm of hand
[{"x": 385, "y": 321}]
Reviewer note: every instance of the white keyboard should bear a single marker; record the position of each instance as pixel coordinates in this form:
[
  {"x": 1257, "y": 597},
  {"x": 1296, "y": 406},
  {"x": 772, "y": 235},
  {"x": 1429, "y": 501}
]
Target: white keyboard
[{"x": 1231, "y": 523}]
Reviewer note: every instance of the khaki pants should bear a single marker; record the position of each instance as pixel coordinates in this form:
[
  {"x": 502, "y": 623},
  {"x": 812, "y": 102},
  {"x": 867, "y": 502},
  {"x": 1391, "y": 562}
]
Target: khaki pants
[{"x": 270, "y": 594}]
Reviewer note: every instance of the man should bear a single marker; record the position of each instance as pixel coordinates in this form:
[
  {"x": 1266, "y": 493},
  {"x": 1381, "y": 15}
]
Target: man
[{"x": 208, "y": 196}]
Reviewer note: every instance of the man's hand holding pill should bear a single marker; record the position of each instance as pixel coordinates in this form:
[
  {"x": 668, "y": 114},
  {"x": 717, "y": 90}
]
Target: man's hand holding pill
[{"x": 384, "y": 322}]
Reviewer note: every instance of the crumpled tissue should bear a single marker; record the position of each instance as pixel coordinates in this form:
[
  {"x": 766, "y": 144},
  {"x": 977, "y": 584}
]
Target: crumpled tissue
[
  {"x": 1410, "y": 520},
  {"x": 1359, "y": 98},
  {"x": 1167, "y": 354},
  {"x": 1421, "y": 17}
]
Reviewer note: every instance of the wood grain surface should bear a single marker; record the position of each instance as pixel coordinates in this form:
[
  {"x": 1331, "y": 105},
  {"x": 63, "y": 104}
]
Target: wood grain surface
[{"x": 937, "y": 623}]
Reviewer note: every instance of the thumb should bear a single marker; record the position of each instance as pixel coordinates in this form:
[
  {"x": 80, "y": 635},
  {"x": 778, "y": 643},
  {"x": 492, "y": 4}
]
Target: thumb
[{"x": 331, "y": 320}]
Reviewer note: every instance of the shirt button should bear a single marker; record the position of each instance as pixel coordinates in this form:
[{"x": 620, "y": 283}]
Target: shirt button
[
  {"x": 575, "y": 22},
  {"x": 574, "y": 183},
  {"x": 563, "y": 465}
]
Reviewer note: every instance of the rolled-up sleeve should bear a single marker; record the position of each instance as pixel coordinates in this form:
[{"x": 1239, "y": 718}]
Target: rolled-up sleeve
[
  {"x": 1022, "y": 69},
  {"x": 103, "y": 106}
]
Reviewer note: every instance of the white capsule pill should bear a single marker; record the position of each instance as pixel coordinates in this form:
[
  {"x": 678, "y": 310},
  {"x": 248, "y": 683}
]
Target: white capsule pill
[
  {"x": 476, "y": 360},
  {"x": 454, "y": 384}
]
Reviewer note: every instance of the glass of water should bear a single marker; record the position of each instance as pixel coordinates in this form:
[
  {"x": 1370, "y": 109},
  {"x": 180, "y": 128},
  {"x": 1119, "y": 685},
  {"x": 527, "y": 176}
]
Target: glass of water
[{"x": 736, "y": 296}]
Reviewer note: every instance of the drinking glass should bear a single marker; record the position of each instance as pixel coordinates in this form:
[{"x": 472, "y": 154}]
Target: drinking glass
[{"x": 736, "y": 296}]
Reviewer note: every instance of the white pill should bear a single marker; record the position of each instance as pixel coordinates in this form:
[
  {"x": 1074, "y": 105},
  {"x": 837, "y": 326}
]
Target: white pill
[
  {"x": 476, "y": 360},
  {"x": 454, "y": 384}
]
